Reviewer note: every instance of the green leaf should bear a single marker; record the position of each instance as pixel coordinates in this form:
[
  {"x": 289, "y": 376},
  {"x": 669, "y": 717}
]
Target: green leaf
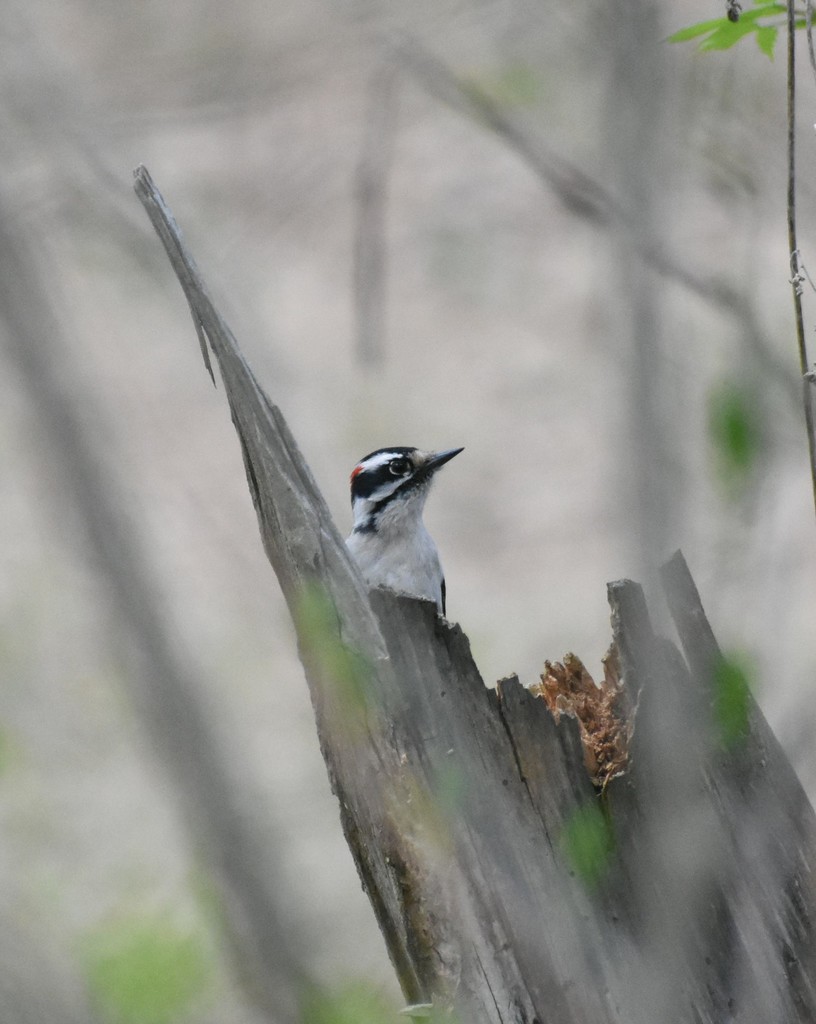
[
  {"x": 355, "y": 1003},
  {"x": 145, "y": 971},
  {"x": 722, "y": 34},
  {"x": 516, "y": 85},
  {"x": 732, "y": 699},
  {"x": 735, "y": 431},
  {"x": 766, "y": 39},
  {"x": 729, "y": 32},
  {"x": 693, "y": 31},
  {"x": 588, "y": 842},
  {"x": 342, "y": 671}
]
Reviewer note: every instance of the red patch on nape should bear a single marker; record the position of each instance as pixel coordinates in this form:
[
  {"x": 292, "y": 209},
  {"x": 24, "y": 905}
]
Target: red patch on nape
[{"x": 356, "y": 471}]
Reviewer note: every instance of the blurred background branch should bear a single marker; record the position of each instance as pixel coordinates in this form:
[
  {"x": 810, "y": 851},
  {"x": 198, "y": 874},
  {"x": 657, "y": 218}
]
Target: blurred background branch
[
  {"x": 588, "y": 198},
  {"x": 371, "y": 193},
  {"x": 161, "y": 680}
]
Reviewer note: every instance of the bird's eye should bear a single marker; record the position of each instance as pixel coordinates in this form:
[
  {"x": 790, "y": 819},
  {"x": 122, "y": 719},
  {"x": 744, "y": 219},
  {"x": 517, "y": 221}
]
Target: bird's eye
[{"x": 398, "y": 467}]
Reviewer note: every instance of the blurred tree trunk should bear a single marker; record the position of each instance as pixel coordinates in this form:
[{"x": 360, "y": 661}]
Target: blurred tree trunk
[
  {"x": 371, "y": 193},
  {"x": 165, "y": 692},
  {"x": 640, "y": 173},
  {"x": 505, "y": 885}
]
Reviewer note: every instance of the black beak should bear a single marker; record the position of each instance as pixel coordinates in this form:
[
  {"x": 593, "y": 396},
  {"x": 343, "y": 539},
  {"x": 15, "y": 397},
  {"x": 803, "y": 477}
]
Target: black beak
[{"x": 440, "y": 458}]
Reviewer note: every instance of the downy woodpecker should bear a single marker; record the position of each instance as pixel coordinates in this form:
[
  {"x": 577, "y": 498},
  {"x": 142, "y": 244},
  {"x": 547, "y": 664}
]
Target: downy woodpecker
[{"x": 389, "y": 540}]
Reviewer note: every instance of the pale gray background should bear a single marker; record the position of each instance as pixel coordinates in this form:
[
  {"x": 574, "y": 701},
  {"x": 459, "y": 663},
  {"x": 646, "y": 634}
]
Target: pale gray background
[{"x": 509, "y": 330}]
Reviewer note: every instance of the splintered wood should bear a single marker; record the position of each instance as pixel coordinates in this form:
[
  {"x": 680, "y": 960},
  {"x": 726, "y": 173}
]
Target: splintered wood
[{"x": 603, "y": 711}]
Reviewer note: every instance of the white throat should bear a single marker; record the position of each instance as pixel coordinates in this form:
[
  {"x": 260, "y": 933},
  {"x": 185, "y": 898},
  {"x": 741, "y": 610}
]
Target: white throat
[
  {"x": 393, "y": 548},
  {"x": 401, "y": 513}
]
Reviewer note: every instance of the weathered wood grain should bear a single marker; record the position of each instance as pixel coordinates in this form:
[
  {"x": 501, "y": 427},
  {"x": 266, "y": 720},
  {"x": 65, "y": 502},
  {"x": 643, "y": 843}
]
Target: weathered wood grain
[{"x": 461, "y": 805}]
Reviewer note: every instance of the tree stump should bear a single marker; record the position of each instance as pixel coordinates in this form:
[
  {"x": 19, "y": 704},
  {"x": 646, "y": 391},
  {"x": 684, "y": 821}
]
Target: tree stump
[{"x": 640, "y": 853}]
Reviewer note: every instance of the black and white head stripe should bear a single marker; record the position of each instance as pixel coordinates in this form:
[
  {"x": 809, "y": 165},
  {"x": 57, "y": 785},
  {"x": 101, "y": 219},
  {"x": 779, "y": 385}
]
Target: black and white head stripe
[
  {"x": 389, "y": 474},
  {"x": 379, "y": 474},
  {"x": 389, "y": 541}
]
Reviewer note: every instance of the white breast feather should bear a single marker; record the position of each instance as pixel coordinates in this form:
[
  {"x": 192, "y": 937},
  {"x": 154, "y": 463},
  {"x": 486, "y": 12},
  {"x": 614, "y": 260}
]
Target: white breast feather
[{"x": 401, "y": 555}]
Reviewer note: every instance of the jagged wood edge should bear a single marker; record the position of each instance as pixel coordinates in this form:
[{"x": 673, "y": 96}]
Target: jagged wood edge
[
  {"x": 765, "y": 810},
  {"x": 305, "y": 550},
  {"x": 461, "y": 953},
  {"x": 469, "y": 935}
]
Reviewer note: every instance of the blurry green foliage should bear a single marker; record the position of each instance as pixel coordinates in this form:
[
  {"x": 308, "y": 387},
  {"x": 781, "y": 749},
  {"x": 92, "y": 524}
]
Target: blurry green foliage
[
  {"x": 516, "y": 85},
  {"x": 762, "y": 21},
  {"x": 146, "y": 971},
  {"x": 338, "y": 666},
  {"x": 9, "y": 751},
  {"x": 735, "y": 431},
  {"x": 354, "y": 1003},
  {"x": 732, "y": 698},
  {"x": 588, "y": 842},
  {"x": 209, "y": 898},
  {"x": 450, "y": 789},
  {"x": 434, "y": 810}
]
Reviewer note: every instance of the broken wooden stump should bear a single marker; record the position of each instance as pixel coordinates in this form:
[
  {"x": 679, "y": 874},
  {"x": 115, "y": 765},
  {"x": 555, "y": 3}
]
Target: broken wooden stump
[{"x": 540, "y": 857}]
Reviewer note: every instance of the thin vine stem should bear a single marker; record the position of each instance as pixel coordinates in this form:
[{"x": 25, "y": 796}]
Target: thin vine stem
[{"x": 797, "y": 276}]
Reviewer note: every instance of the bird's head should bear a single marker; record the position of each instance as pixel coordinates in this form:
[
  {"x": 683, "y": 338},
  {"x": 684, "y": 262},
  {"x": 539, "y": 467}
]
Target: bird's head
[{"x": 394, "y": 482}]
